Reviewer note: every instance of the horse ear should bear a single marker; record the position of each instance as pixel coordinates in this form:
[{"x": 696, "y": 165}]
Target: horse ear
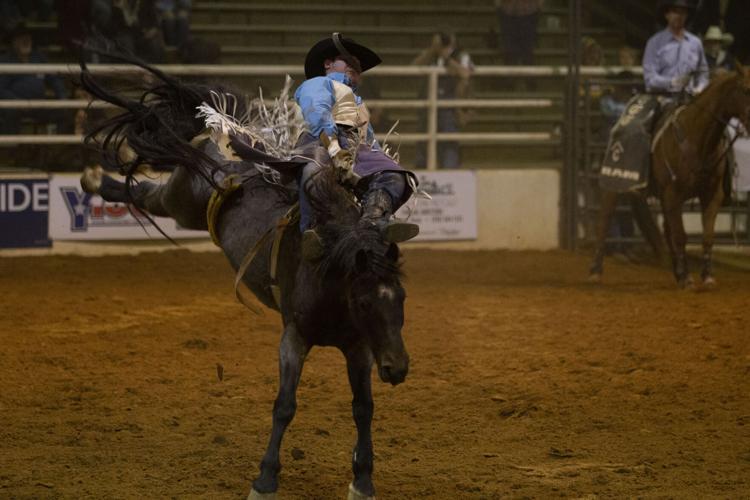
[
  {"x": 361, "y": 261},
  {"x": 392, "y": 253}
]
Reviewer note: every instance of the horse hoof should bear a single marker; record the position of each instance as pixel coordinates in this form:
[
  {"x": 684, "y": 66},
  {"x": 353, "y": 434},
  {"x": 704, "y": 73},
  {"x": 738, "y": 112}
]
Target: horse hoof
[
  {"x": 355, "y": 494},
  {"x": 254, "y": 495},
  {"x": 595, "y": 278},
  {"x": 709, "y": 282},
  {"x": 91, "y": 179},
  {"x": 686, "y": 283}
]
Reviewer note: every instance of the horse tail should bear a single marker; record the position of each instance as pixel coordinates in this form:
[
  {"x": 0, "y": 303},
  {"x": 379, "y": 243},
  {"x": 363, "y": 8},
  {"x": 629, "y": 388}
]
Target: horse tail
[{"x": 157, "y": 127}]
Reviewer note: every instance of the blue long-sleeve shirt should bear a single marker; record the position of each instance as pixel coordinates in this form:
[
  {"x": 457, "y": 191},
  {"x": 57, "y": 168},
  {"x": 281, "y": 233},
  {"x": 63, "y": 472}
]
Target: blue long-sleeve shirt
[
  {"x": 316, "y": 98},
  {"x": 667, "y": 57}
]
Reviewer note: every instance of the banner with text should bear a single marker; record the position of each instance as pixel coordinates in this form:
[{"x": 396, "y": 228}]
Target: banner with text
[
  {"x": 76, "y": 215},
  {"x": 24, "y": 212},
  {"x": 451, "y": 214}
]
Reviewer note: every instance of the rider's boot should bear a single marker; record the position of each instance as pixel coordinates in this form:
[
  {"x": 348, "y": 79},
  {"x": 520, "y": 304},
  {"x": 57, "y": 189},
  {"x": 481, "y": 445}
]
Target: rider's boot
[{"x": 377, "y": 209}]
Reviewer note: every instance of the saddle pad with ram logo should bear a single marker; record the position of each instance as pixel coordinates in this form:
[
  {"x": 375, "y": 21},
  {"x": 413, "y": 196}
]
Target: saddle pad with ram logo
[{"x": 627, "y": 161}]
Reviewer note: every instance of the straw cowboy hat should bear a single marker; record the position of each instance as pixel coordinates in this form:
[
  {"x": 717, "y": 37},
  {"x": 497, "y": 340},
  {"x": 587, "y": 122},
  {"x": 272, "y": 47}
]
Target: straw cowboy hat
[
  {"x": 336, "y": 45},
  {"x": 714, "y": 34}
]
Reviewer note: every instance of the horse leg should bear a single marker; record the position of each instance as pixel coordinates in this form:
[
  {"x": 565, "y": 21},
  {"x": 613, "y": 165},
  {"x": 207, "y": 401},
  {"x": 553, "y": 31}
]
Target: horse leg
[
  {"x": 183, "y": 197},
  {"x": 710, "y": 207},
  {"x": 359, "y": 367},
  {"x": 672, "y": 208},
  {"x": 292, "y": 352},
  {"x": 606, "y": 209},
  {"x": 646, "y": 223}
]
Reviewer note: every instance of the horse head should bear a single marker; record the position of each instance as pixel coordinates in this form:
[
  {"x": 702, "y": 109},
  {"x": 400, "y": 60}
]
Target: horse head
[
  {"x": 364, "y": 271},
  {"x": 375, "y": 300}
]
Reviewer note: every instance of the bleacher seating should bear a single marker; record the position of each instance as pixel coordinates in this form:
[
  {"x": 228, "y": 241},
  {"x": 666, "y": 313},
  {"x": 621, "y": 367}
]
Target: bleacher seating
[{"x": 281, "y": 33}]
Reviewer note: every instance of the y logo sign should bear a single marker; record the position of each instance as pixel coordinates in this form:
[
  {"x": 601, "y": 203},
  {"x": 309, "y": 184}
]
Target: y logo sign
[{"x": 78, "y": 205}]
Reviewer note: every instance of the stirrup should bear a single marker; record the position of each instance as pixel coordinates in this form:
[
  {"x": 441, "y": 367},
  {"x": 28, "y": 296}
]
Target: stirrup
[
  {"x": 397, "y": 231},
  {"x": 312, "y": 246}
]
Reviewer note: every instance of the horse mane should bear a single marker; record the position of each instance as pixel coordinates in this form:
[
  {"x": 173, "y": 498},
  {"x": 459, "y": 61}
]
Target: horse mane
[
  {"x": 352, "y": 241},
  {"x": 344, "y": 235}
]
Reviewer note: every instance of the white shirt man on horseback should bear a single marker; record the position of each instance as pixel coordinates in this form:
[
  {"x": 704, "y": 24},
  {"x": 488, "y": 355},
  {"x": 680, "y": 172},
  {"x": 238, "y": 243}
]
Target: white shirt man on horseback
[{"x": 674, "y": 59}]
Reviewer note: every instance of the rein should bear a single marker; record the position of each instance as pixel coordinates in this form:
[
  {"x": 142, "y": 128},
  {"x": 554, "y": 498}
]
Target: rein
[
  {"x": 277, "y": 231},
  {"x": 231, "y": 184}
]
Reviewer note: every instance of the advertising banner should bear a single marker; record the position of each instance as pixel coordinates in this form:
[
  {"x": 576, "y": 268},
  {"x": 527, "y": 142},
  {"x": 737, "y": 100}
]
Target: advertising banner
[
  {"x": 24, "y": 212},
  {"x": 76, "y": 215},
  {"x": 451, "y": 214}
]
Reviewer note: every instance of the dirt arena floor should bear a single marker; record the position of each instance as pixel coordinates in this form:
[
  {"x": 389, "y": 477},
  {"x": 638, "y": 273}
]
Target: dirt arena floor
[{"x": 525, "y": 382}]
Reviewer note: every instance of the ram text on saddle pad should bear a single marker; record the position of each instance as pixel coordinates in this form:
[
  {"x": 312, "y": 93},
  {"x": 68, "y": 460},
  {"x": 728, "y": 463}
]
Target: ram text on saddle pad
[{"x": 627, "y": 161}]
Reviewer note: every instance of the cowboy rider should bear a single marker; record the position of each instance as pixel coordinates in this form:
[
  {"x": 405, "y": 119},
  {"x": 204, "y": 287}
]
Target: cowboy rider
[
  {"x": 674, "y": 60},
  {"x": 674, "y": 64},
  {"x": 338, "y": 127}
]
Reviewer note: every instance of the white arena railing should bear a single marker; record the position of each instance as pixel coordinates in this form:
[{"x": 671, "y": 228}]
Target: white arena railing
[{"x": 432, "y": 103}]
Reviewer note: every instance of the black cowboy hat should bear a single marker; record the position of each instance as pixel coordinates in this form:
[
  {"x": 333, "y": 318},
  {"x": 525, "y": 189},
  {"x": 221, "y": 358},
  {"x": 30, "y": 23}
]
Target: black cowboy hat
[
  {"x": 333, "y": 46},
  {"x": 663, "y": 5}
]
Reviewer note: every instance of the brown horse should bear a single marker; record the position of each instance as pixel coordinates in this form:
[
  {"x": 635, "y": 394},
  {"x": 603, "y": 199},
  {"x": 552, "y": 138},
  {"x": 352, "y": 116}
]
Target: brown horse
[{"x": 687, "y": 161}]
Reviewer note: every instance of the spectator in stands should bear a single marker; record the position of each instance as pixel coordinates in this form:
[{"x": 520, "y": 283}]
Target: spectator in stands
[
  {"x": 26, "y": 86},
  {"x": 444, "y": 52},
  {"x": 674, "y": 59},
  {"x": 714, "y": 42},
  {"x": 592, "y": 55},
  {"x": 518, "y": 21},
  {"x": 175, "y": 20},
  {"x": 134, "y": 26},
  {"x": 615, "y": 96}
]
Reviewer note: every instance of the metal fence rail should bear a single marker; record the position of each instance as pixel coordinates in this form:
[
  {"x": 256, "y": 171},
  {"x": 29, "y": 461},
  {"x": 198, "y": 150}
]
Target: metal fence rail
[{"x": 431, "y": 104}]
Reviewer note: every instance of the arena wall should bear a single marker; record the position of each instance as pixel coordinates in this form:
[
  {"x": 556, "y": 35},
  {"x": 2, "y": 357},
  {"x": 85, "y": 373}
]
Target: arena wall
[{"x": 514, "y": 209}]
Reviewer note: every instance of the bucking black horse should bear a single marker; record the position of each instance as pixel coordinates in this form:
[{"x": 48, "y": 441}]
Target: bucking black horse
[{"x": 352, "y": 299}]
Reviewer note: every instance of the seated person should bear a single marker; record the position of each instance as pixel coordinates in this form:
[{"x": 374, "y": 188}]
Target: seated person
[{"x": 26, "y": 86}]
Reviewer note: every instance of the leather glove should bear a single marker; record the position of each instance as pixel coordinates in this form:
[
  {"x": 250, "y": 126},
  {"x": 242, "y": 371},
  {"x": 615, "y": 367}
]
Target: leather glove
[
  {"x": 678, "y": 83},
  {"x": 343, "y": 162},
  {"x": 342, "y": 159}
]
